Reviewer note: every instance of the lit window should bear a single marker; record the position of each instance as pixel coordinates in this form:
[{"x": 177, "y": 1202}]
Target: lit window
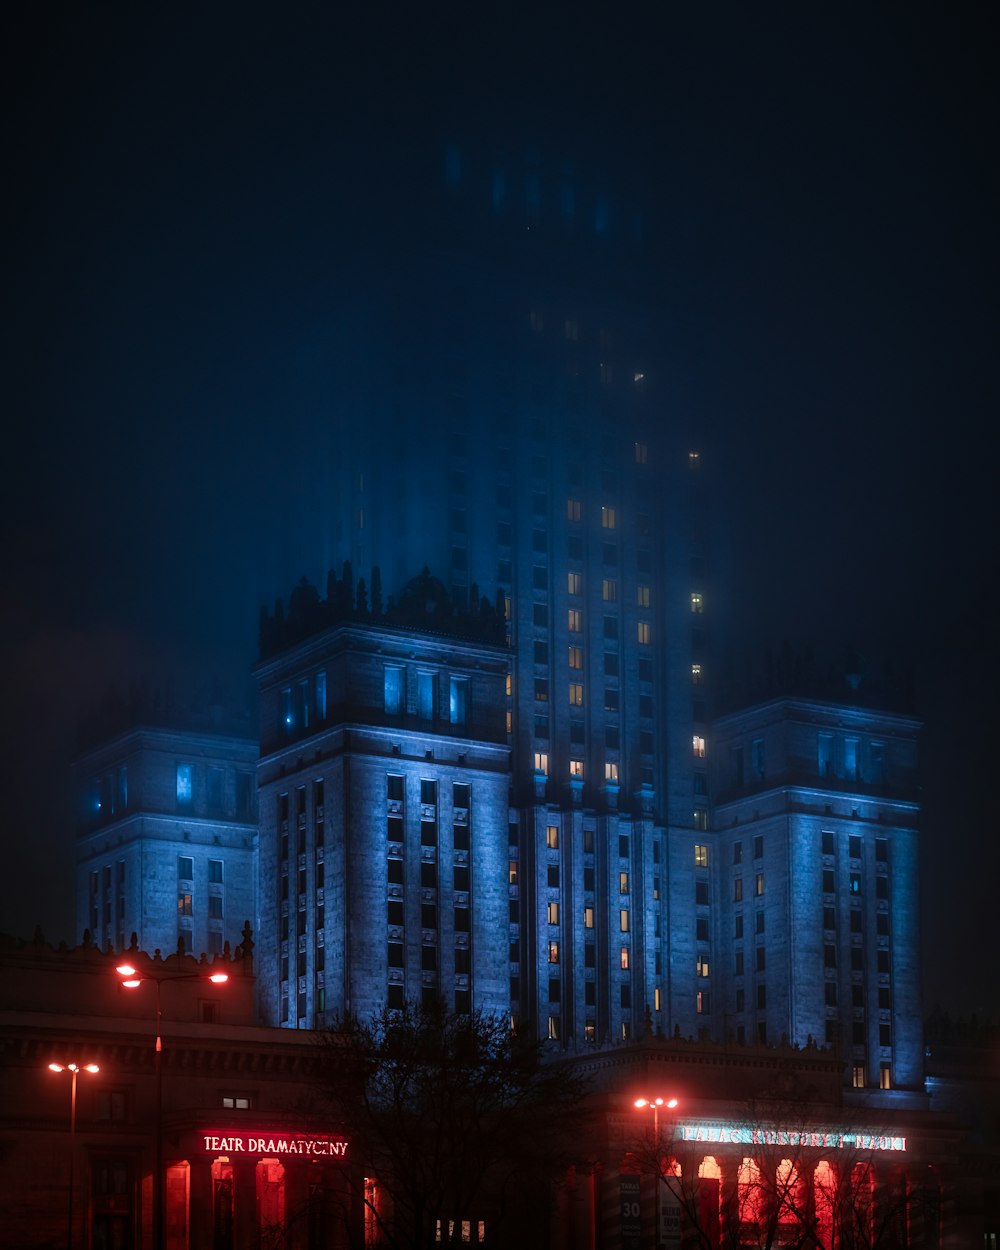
[
  {"x": 574, "y": 620},
  {"x": 588, "y": 917},
  {"x": 643, "y": 632},
  {"x": 698, "y": 743},
  {"x": 552, "y": 913},
  {"x": 641, "y": 449},
  {"x": 510, "y": 685},
  {"x": 885, "y": 1076},
  {"x": 458, "y": 700},
  {"x": 576, "y": 657},
  {"x": 695, "y": 674},
  {"x": 624, "y": 958},
  {"x": 858, "y": 1076},
  {"x": 700, "y": 855},
  {"x": 576, "y": 694},
  {"x": 576, "y": 768},
  {"x": 553, "y": 1028},
  {"x": 184, "y": 907},
  {"x": 541, "y": 763},
  {"x": 697, "y": 602},
  {"x": 610, "y": 771},
  {"x": 574, "y": 583},
  {"x": 623, "y": 920},
  {"x": 512, "y": 872},
  {"x": 701, "y": 1002},
  {"x": 642, "y": 596},
  {"x": 702, "y": 966},
  {"x": 185, "y": 784},
  {"x": 607, "y": 518},
  {"x": 553, "y": 952},
  {"x": 623, "y": 883},
  {"x": 758, "y": 885},
  {"x": 609, "y": 590},
  {"x": 573, "y": 509}
]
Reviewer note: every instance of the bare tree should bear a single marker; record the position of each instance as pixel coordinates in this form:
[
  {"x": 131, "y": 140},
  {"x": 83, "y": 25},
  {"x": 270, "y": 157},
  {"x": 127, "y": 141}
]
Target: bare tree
[{"x": 455, "y": 1117}]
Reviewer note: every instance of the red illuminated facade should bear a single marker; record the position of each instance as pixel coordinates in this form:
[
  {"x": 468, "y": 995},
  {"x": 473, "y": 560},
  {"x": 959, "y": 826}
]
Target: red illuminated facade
[{"x": 762, "y": 1144}]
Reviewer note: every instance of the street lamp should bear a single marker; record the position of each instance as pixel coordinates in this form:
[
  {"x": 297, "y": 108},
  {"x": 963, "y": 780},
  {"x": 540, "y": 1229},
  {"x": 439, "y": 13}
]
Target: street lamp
[
  {"x": 73, "y": 1069},
  {"x": 131, "y": 980},
  {"x": 654, "y": 1105}
]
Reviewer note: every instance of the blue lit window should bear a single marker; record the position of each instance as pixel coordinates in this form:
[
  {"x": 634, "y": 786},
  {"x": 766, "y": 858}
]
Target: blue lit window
[
  {"x": 185, "y": 784},
  {"x": 458, "y": 700},
  {"x": 393, "y": 690}
]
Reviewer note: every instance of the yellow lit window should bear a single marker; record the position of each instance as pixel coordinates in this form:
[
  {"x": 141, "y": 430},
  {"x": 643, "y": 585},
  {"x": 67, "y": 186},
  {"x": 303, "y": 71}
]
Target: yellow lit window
[
  {"x": 506, "y": 607},
  {"x": 623, "y": 920},
  {"x": 623, "y": 883},
  {"x": 552, "y": 837},
  {"x": 574, "y": 583},
  {"x": 510, "y": 721},
  {"x": 697, "y": 602},
  {"x": 607, "y": 518},
  {"x": 576, "y": 769},
  {"x": 552, "y": 913},
  {"x": 553, "y": 952},
  {"x": 701, "y": 1002},
  {"x": 573, "y": 509},
  {"x": 575, "y": 620},
  {"x": 625, "y": 958},
  {"x": 576, "y": 657},
  {"x": 512, "y": 872},
  {"x": 610, "y": 771},
  {"x": 700, "y": 855},
  {"x": 510, "y": 685},
  {"x": 541, "y": 762},
  {"x": 758, "y": 884},
  {"x": 588, "y": 917},
  {"x": 643, "y": 632},
  {"x": 702, "y": 966},
  {"x": 700, "y": 748},
  {"x": 609, "y": 589},
  {"x": 657, "y": 1005},
  {"x": 576, "y": 694},
  {"x": 642, "y": 596}
]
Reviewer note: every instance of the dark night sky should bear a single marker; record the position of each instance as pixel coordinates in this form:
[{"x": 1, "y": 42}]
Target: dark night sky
[{"x": 824, "y": 180}]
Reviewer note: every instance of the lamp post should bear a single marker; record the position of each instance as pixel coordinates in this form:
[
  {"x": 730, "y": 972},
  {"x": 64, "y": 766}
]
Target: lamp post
[
  {"x": 654, "y": 1105},
  {"x": 131, "y": 980},
  {"x": 73, "y": 1069}
]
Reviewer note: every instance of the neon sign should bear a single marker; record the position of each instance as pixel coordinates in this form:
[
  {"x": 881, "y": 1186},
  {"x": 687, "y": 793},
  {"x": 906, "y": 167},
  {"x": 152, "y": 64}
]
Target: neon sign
[
  {"x": 274, "y": 1144},
  {"x": 744, "y": 1135}
]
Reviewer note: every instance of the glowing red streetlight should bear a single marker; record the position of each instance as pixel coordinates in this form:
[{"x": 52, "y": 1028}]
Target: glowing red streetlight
[
  {"x": 654, "y": 1105},
  {"x": 131, "y": 979},
  {"x": 73, "y": 1069}
]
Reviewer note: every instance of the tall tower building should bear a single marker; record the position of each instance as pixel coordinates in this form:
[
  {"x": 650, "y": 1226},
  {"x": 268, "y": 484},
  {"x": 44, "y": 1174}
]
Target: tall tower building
[
  {"x": 810, "y": 881},
  {"x": 167, "y": 839},
  {"x": 384, "y": 775}
]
